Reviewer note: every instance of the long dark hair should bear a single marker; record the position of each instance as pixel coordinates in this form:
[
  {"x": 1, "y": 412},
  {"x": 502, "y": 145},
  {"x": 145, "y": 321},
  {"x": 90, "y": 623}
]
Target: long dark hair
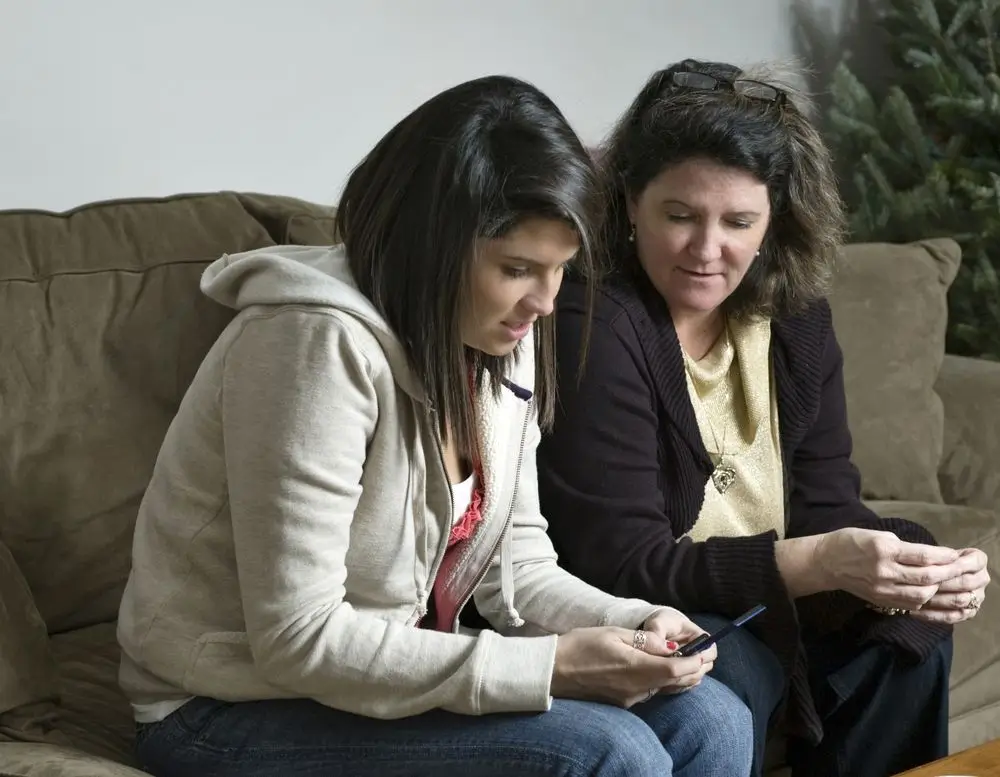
[
  {"x": 774, "y": 141},
  {"x": 472, "y": 162}
]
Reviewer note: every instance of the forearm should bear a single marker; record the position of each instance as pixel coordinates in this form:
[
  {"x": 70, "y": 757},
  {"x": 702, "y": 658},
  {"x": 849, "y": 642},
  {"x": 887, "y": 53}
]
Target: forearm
[
  {"x": 550, "y": 598},
  {"x": 369, "y": 666}
]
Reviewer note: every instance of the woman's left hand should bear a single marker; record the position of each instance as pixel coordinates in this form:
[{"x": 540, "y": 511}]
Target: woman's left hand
[
  {"x": 675, "y": 627},
  {"x": 960, "y": 598}
]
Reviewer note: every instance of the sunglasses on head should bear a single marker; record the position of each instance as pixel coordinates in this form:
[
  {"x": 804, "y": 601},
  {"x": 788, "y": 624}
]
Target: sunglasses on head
[{"x": 746, "y": 87}]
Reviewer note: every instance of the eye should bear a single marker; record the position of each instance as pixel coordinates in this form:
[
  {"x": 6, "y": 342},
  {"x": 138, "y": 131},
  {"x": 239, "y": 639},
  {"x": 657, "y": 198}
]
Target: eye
[
  {"x": 739, "y": 224},
  {"x": 678, "y": 217},
  {"x": 515, "y": 272}
]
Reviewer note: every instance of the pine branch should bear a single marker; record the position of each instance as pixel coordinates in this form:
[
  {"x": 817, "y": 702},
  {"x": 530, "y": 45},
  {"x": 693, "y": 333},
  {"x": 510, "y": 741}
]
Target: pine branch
[{"x": 924, "y": 159}]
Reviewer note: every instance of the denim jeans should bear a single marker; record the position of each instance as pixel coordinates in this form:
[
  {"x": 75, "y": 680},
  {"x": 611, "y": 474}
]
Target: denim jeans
[
  {"x": 882, "y": 712},
  {"x": 705, "y": 732}
]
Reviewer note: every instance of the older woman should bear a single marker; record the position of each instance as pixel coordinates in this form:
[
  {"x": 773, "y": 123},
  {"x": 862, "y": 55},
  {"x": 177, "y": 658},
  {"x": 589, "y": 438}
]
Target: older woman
[{"x": 700, "y": 455}]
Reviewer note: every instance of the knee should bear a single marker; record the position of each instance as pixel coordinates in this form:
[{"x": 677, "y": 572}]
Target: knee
[
  {"x": 612, "y": 742},
  {"x": 940, "y": 659},
  {"x": 721, "y": 725},
  {"x": 747, "y": 666},
  {"x": 934, "y": 672},
  {"x": 930, "y": 672},
  {"x": 732, "y": 736}
]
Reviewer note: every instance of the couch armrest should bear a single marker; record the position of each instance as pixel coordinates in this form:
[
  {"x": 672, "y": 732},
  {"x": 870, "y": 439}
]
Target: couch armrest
[{"x": 970, "y": 465}]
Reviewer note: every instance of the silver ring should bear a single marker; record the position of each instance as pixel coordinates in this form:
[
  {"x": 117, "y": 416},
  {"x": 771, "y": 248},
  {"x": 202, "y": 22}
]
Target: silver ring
[
  {"x": 973, "y": 602},
  {"x": 639, "y": 640}
]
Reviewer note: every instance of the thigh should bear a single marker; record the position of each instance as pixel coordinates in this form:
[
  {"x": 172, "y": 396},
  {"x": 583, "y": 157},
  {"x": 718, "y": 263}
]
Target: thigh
[
  {"x": 883, "y": 712},
  {"x": 752, "y": 671},
  {"x": 747, "y": 666},
  {"x": 301, "y": 738}
]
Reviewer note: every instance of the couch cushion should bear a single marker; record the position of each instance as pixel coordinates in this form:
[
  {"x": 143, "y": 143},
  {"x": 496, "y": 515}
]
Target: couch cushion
[
  {"x": 104, "y": 327},
  {"x": 93, "y": 712},
  {"x": 890, "y": 313},
  {"x": 27, "y": 671},
  {"x": 41, "y": 760},
  {"x": 292, "y": 221}
]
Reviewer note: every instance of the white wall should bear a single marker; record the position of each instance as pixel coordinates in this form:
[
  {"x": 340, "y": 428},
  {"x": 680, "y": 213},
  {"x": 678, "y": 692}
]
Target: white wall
[{"x": 117, "y": 98}]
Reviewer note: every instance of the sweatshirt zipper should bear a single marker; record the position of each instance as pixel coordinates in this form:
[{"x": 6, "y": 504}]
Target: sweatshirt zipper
[
  {"x": 510, "y": 512},
  {"x": 441, "y": 551}
]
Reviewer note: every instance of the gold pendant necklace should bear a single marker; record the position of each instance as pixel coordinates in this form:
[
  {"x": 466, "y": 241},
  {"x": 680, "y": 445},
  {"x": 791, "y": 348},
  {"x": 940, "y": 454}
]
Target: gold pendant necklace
[{"x": 723, "y": 476}]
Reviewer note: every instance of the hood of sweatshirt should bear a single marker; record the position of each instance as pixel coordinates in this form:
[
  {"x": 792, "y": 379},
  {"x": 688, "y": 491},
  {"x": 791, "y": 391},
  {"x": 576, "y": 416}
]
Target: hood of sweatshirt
[{"x": 304, "y": 275}]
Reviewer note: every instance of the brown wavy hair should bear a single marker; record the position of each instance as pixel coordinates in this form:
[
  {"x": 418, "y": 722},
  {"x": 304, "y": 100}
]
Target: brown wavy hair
[{"x": 776, "y": 142}]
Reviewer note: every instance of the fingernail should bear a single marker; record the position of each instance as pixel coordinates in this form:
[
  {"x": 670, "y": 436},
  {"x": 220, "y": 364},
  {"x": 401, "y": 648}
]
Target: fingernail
[{"x": 672, "y": 645}]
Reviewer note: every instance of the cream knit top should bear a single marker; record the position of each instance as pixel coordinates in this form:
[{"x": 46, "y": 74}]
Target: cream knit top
[{"x": 732, "y": 391}]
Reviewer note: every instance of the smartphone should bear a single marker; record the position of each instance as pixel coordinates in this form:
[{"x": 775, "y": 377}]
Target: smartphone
[{"x": 705, "y": 641}]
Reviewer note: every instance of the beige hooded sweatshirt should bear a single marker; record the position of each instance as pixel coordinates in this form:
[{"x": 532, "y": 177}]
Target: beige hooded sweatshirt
[{"x": 299, "y": 509}]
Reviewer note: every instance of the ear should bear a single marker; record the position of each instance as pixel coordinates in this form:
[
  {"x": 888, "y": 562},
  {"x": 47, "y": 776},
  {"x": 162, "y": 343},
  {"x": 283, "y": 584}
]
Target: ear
[{"x": 630, "y": 207}]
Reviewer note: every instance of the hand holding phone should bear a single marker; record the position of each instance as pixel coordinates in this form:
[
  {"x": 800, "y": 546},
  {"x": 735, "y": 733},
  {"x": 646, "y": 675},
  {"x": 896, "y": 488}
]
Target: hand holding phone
[{"x": 707, "y": 640}]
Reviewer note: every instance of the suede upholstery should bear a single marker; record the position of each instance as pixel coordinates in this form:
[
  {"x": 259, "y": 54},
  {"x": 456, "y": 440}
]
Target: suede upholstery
[{"x": 102, "y": 327}]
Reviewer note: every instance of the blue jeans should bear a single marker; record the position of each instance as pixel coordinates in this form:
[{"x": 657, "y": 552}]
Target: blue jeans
[
  {"x": 705, "y": 732},
  {"x": 882, "y": 713}
]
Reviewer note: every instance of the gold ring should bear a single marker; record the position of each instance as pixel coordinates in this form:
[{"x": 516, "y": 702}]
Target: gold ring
[
  {"x": 973, "y": 602},
  {"x": 639, "y": 640}
]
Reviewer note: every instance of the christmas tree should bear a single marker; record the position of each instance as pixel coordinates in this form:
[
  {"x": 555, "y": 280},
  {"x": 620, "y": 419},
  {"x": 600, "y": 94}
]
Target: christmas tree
[{"x": 922, "y": 158}]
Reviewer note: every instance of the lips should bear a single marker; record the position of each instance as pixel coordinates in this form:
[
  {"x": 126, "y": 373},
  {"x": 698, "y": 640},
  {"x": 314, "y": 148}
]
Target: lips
[
  {"x": 697, "y": 273},
  {"x": 518, "y": 329}
]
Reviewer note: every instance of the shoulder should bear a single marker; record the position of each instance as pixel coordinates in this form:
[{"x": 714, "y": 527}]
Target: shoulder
[
  {"x": 808, "y": 328},
  {"x": 614, "y": 305},
  {"x": 808, "y": 340},
  {"x": 306, "y": 337},
  {"x": 807, "y": 358},
  {"x": 606, "y": 347}
]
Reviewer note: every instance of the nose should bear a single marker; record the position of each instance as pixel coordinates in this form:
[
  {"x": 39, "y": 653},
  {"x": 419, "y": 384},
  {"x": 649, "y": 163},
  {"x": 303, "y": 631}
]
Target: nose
[
  {"x": 706, "y": 243},
  {"x": 542, "y": 300}
]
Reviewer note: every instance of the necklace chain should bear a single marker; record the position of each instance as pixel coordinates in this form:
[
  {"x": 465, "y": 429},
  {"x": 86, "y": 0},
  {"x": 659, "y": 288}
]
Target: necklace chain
[{"x": 723, "y": 476}]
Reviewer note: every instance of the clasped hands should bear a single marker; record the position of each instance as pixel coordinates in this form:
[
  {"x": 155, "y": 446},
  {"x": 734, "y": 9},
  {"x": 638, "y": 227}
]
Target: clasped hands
[{"x": 932, "y": 583}]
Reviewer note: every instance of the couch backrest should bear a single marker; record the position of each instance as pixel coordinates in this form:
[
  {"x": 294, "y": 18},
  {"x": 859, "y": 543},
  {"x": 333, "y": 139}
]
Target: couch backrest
[{"x": 102, "y": 328}]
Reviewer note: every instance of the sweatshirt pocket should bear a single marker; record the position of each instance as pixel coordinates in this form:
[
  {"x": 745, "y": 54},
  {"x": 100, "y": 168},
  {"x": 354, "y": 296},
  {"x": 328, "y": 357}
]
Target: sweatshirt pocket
[{"x": 222, "y": 667}]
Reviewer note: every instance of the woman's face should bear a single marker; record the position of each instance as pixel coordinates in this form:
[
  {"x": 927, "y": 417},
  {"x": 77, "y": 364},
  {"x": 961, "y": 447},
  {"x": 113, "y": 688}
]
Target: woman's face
[
  {"x": 514, "y": 281},
  {"x": 698, "y": 227}
]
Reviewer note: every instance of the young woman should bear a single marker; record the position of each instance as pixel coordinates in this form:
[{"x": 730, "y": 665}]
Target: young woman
[
  {"x": 703, "y": 460},
  {"x": 355, "y": 461}
]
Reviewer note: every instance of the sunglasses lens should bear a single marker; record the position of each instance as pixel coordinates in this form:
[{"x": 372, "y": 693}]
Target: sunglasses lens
[
  {"x": 756, "y": 90},
  {"x": 695, "y": 80}
]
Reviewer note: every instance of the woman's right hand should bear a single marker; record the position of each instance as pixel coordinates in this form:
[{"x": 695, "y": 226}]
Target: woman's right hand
[
  {"x": 601, "y": 664},
  {"x": 884, "y": 570}
]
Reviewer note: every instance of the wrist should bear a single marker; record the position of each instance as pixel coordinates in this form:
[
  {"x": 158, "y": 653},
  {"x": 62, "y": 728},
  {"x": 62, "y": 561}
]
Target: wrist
[
  {"x": 801, "y": 564},
  {"x": 557, "y": 680}
]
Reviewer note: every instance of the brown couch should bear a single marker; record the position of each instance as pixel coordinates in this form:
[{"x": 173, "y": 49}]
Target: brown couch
[{"x": 102, "y": 326}]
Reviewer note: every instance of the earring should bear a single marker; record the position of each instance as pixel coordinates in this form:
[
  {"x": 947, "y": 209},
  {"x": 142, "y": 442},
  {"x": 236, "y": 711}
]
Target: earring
[
  {"x": 757, "y": 254},
  {"x": 631, "y": 235}
]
